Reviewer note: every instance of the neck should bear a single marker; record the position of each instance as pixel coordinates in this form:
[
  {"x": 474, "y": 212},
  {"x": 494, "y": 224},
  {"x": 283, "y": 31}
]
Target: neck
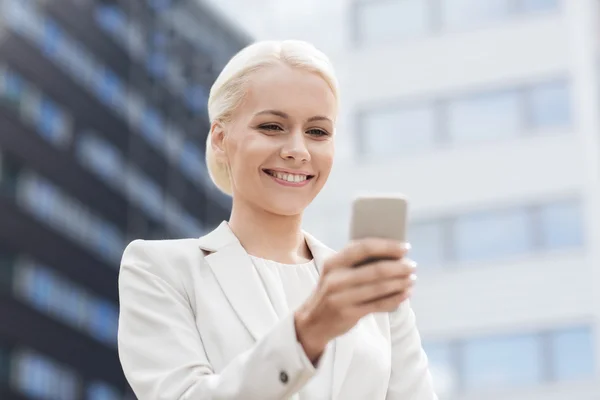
[{"x": 269, "y": 236}]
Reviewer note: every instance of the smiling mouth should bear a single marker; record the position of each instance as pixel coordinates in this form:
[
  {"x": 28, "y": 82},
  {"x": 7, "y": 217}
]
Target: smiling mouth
[{"x": 287, "y": 177}]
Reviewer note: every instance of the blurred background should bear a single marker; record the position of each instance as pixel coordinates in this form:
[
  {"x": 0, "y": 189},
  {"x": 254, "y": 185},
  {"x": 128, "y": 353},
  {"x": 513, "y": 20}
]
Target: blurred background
[{"x": 483, "y": 112}]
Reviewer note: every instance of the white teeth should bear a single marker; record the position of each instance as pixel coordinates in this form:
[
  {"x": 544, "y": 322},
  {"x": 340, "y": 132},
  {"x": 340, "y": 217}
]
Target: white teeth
[{"x": 290, "y": 177}]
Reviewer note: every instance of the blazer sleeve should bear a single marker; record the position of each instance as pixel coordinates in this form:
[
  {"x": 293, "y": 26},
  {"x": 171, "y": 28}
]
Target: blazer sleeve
[
  {"x": 162, "y": 354},
  {"x": 410, "y": 377}
]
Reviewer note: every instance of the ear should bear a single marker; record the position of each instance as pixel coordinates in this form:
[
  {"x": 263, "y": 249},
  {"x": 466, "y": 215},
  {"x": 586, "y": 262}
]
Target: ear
[{"x": 217, "y": 141}]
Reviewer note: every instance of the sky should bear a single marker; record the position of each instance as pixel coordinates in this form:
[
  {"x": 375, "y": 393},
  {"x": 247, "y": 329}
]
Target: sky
[
  {"x": 260, "y": 18},
  {"x": 272, "y": 19}
]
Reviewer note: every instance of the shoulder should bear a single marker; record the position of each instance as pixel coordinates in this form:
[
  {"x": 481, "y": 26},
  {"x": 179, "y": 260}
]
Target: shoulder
[
  {"x": 141, "y": 246},
  {"x": 140, "y": 249},
  {"x": 162, "y": 258}
]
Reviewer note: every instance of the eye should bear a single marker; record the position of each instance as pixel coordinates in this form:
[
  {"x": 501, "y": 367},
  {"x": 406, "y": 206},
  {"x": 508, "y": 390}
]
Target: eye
[
  {"x": 270, "y": 127},
  {"x": 317, "y": 132}
]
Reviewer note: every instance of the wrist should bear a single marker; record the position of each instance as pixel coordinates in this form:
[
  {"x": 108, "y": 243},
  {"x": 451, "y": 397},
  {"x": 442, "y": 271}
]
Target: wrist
[{"x": 311, "y": 341}]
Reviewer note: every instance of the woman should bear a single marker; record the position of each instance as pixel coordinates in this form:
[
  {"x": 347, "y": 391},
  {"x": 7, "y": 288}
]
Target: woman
[{"x": 257, "y": 308}]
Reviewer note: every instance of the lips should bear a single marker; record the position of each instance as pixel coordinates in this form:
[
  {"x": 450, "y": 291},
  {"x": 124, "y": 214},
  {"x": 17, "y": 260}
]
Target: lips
[{"x": 289, "y": 176}]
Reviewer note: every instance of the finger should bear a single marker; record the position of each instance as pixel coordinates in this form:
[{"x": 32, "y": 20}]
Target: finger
[
  {"x": 382, "y": 270},
  {"x": 387, "y": 304},
  {"x": 344, "y": 278},
  {"x": 373, "y": 292},
  {"x": 377, "y": 271},
  {"x": 367, "y": 248}
]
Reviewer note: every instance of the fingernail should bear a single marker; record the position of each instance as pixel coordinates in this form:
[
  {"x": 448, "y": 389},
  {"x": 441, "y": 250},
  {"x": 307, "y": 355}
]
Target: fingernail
[
  {"x": 413, "y": 277},
  {"x": 406, "y": 246},
  {"x": 413, "y": 264}
]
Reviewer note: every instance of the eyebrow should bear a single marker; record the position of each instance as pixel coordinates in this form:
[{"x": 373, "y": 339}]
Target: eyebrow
[{"x": 283, "y": 115}]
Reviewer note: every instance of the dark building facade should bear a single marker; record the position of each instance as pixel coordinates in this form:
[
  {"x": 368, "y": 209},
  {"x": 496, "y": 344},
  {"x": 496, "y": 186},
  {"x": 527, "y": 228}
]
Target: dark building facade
[{"x": 102, "y": 129}]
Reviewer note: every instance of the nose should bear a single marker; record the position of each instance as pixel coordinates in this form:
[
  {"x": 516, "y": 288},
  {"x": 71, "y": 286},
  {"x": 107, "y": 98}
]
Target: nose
[{"x": 294, "y": 148}]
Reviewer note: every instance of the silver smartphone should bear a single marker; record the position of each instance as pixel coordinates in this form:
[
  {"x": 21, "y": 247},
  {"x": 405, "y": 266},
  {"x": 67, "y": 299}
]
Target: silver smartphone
[{"x": 380, "y": 216}]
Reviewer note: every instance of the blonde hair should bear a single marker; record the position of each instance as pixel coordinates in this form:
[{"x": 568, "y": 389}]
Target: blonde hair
[{"x": 229, "y": 89}]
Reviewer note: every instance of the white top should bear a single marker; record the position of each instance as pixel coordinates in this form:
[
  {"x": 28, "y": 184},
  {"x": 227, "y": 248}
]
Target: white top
[{"x": 294, "y": 283}]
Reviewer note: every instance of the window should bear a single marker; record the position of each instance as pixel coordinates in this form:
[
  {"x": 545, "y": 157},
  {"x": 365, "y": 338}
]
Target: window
[
  {"x": 466, "y": 13},
  {"x": 111, "y": 18},
  {"x": 36, "y": 196},
  {"x": 492, "y": 235},
  {"x": 76, "y": 220},
  {"x": 135, "y": 41},
  {"x": 384, "y": 20},
  {"x": 53, "y": 294},
  {"x": 502, "y": 362},
  {"x": 12, "y": 86},
  {"x": 20, "y": 16},
  {"x": 486, "y": 116},
  {"x": 572, "y": 354},
  {"x": 52, "y": 39},
  {"x": 102, "y": 391},
  {"x": 49, "y": 119},
  {"x": 174, "y": 143},
  {"x": 103, "y": 321},
  {"x": 78, "y": 306},
  {"x": 428, "y": 243},
  {"x": 538, "y": 5},
  {"x": 33, "y": 285},
  {"x": 160, "y": 5},
  {"x": 192, "y": 162},
  {"x": 53, "y": 123},
  {"x": 49, "y": 204},
  {"x": 197, "y": 98},
  {"x": 550, "y": 105},
  {"x": 110, "y": 88},
  {"x": 134, "y": 106},
  {"x": 561, "y": 225},
  {"x": 40, "y": 377},
  {"x": 144, "y": 192},
  {"x": 107, "y": 241},
  {"x": 79, "y": 63},
  {"x": 107, "y": 86},
  {"x": 401, "y": 131},
  {"x": 31, "y": 106},
  {"x": 159, "y": 38},
  {"x": 101, "y": 158},
  {"x": 152, "y": 127}
]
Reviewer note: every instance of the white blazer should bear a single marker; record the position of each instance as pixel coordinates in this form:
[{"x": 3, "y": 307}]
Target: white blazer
[{"x": 196, "y": 323}]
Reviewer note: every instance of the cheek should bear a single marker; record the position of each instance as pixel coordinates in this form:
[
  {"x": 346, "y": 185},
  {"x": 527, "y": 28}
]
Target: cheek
[
  {"x": 246, "y": 153},
  {"x": 323, "y": 157}
]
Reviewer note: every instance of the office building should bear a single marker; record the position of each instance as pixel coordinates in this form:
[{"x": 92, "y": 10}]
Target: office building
[
  {"x": 102, "y": 129},
  {"x": 485, "y": 114}
]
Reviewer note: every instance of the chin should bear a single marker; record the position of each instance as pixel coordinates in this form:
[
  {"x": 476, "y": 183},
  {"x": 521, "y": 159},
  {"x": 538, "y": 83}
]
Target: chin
[
  {"x": 287, "y": 210},
  {"x": 285, "y": 206}
]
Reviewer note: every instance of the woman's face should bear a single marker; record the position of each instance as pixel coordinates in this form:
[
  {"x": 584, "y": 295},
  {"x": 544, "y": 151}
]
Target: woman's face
[{"x": 279, "y": 143}]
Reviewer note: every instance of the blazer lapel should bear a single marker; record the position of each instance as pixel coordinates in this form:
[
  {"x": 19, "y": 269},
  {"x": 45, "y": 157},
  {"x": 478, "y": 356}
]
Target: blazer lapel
[
  {"x": 240, "y": 282},
  {"x": 243, "y": 287},
  {"x": 343, "y": 345}
]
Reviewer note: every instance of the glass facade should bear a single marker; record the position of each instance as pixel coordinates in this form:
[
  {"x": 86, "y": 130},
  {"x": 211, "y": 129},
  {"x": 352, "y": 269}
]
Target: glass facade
[
  {"x": 501, "y": 234},
  {"x": 485, "y": 117},
  {"x": 49, "y": 292},
  {"x": 564, "y": 354},
  {"x": 102, "y": 105},
  {"x": 384, "y": 21}
]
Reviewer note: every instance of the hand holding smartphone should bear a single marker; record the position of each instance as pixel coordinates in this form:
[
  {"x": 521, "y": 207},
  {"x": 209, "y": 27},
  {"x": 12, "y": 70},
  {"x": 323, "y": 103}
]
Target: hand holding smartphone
[
  {"x": 379, "y": 216},
  {"x": 378, "y": 287}
]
